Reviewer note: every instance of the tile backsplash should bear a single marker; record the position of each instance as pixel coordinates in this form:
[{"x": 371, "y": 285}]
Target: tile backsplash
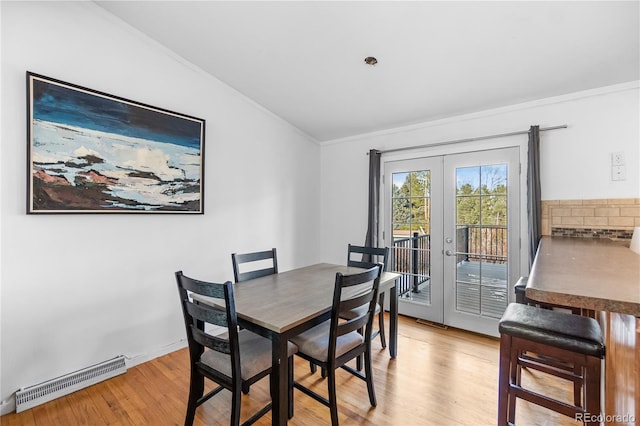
[{"x": 602, "y": 218}]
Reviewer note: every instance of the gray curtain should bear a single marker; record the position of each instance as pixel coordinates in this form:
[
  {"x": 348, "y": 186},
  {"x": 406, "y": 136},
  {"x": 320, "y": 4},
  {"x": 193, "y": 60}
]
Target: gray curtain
[
  {"x": 371, "y": 239},
  {"x": 534, "y": 209}
]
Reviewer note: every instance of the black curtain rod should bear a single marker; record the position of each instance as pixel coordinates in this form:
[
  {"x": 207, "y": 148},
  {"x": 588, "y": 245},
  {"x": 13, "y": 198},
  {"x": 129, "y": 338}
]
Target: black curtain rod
[{"x": 479, "y": 138}]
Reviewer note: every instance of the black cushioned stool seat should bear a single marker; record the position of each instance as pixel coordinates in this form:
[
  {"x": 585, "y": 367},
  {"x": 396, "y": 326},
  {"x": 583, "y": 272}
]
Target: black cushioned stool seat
[{"x": 569, "y": 339}]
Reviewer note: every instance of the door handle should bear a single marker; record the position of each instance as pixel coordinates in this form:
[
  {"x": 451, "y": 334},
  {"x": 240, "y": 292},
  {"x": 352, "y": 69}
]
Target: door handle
[{"x": 449, "y": 253}]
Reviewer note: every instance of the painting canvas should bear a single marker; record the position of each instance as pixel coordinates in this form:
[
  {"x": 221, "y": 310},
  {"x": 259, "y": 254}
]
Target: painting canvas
[{"x": 90, "y": 152}]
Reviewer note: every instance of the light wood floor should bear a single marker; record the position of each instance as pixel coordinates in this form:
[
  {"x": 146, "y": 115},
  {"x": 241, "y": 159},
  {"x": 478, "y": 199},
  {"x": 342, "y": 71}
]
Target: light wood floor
[{"x": 441, "y": 377}]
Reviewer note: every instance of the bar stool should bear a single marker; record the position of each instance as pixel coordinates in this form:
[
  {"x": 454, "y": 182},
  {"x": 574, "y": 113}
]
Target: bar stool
[
  {"x": 520, "y": 291},
  {"x": 562, "y": 337}
]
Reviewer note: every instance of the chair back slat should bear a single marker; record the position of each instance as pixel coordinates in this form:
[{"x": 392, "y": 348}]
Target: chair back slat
[
  {"x": 209, "y": 314},
  {"x": 202, "y": 287},
  {"x": 212, "y": 342},
  {"x": 238, "y": 259},
  {"x": 347, "y": 326},
  {"x": 355, "y": 302},
  {"x": 246, "y": 276},
  {"x": 368, "y": 256}
]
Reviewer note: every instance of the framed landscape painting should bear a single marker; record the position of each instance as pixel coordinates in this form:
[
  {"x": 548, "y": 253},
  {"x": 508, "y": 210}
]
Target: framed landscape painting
[{"x": 90, "y": 152}]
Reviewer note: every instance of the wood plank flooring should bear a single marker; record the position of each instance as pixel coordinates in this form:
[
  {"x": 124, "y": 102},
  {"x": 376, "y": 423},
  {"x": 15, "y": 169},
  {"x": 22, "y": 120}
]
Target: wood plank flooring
[{"x": 441, "y": 377}]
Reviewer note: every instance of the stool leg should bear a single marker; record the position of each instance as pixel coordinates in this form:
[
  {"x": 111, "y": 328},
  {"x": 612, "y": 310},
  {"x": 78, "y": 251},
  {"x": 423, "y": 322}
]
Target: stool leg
[
  {"x": 577, "y": 386},
  {"x": 592, "y": 387},
  {"x": 503, "y": 379},
  {"x": 514, "y": 379},
  {"x": 519, "y": 372}
]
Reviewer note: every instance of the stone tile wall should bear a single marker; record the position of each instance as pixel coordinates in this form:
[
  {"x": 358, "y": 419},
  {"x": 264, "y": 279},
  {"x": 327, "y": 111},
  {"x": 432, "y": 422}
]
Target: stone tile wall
[{"x": 602, "y": 218}]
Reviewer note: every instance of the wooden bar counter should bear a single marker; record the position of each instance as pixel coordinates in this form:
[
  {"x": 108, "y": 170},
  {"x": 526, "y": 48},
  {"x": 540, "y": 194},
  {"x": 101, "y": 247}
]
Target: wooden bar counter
[{"x": 604, "y": 276}]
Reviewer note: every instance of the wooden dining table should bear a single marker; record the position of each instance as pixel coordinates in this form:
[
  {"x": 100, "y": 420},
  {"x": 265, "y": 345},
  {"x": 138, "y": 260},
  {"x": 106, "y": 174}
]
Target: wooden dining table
[{"x": 282, "y": 305}]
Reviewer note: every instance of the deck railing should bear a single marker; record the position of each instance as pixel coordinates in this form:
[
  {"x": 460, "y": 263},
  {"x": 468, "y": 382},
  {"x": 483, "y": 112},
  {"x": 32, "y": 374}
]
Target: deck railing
[
  {"x": 411, "y": 258},
  {"x": 411, "y": 255},
  {"x": 487, "y": 243}
]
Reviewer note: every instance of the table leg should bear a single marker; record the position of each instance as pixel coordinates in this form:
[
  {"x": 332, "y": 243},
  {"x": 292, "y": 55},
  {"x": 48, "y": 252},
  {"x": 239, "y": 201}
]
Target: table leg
[
  {"x": 279, "y": 382},
  {"x": 393, "y": 321}
]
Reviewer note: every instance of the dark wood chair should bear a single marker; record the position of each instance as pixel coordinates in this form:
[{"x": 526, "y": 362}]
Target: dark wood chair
[
  {"x": 368, "y": 258},
  {"x": 335, "y": 342},
  {"x": 268, "y": 256},
  {"x": 232, "y": 359},
  {"x": 555, "y": 338},
  {"x": 263, "y": 262}
]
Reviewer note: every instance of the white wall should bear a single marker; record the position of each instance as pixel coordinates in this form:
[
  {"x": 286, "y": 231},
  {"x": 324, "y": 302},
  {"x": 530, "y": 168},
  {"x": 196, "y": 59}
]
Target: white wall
[
  {"x": 575, "y": 162},
  {"x": 79, "y": 289}
]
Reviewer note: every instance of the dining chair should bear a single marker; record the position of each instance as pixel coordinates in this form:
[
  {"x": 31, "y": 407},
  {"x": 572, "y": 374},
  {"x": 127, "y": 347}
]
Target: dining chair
[
  {"x": 232, "y": 359},
  {"x": 268, "y": 268},
  {"x": 263, "y": 262},
  {"x": 333, "y": 343},
  {"x": 369, "y": 257}
]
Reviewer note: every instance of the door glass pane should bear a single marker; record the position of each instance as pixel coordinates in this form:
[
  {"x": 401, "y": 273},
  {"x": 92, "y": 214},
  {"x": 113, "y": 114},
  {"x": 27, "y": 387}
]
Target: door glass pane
[
  {"x": 411, "y": 225},
  {"x": 481, "y": 240}
]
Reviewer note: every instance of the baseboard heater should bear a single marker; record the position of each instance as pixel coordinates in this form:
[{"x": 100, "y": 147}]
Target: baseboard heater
[{"x": 47, "y": 391}]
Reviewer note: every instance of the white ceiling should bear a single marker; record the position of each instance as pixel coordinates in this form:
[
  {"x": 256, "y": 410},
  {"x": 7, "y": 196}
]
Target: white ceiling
[{"x": 304, "y": 61}]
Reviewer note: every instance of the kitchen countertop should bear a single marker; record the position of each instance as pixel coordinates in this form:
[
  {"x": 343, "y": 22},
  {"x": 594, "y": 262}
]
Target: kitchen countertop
[{"x": 598, "y": 274}]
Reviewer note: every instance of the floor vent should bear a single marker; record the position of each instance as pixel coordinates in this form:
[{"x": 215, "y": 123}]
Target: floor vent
[
  {"x": 432, "y": 324},
  {"x": 47, "y": 391}
]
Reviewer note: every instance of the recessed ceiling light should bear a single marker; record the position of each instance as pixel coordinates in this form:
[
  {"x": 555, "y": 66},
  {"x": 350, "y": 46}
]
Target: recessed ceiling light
[{"x": 370, "y": 60}]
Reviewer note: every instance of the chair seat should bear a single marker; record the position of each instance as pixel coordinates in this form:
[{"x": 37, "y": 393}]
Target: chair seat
[
  {"x": 562, "y": 330},
  {"x": 315, "y": 341},
  {"x": 357, "y": 312},
  {"x": 255, "y": 355}
]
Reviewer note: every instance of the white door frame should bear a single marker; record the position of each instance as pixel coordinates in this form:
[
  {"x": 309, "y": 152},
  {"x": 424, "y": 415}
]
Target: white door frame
[{"x": 518, "y": 141}]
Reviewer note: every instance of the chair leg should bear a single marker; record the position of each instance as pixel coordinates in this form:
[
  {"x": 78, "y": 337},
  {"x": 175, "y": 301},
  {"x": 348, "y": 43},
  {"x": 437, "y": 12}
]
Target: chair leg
[
  {"x": 245, "y": 389},
  {"x": 369, "y": 375},
  {"x": 236, "y": 398},
  {"x": 577, "y": 387},
  {"x": 333, "y": 400},
  {"x": 592, "y": 388},
  {"x": 519, "y": 370},
  {"x": 359, "y": 358},
  {"x": 196, "y": 390},
  {"x": 514, "y": 378},
  {"x": 312, "y": 367},
  {"x": 383, "y": 340},
  {"x": 290, "y": 369},
  {"x": 503, "y": 379}
]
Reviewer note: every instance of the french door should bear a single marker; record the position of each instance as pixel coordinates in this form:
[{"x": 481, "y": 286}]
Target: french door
[{"x": 452, "y": 222}]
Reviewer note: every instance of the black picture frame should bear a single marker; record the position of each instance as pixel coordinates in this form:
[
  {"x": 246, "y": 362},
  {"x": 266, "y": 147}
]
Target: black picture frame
[{"x": 92, "y": 152}]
